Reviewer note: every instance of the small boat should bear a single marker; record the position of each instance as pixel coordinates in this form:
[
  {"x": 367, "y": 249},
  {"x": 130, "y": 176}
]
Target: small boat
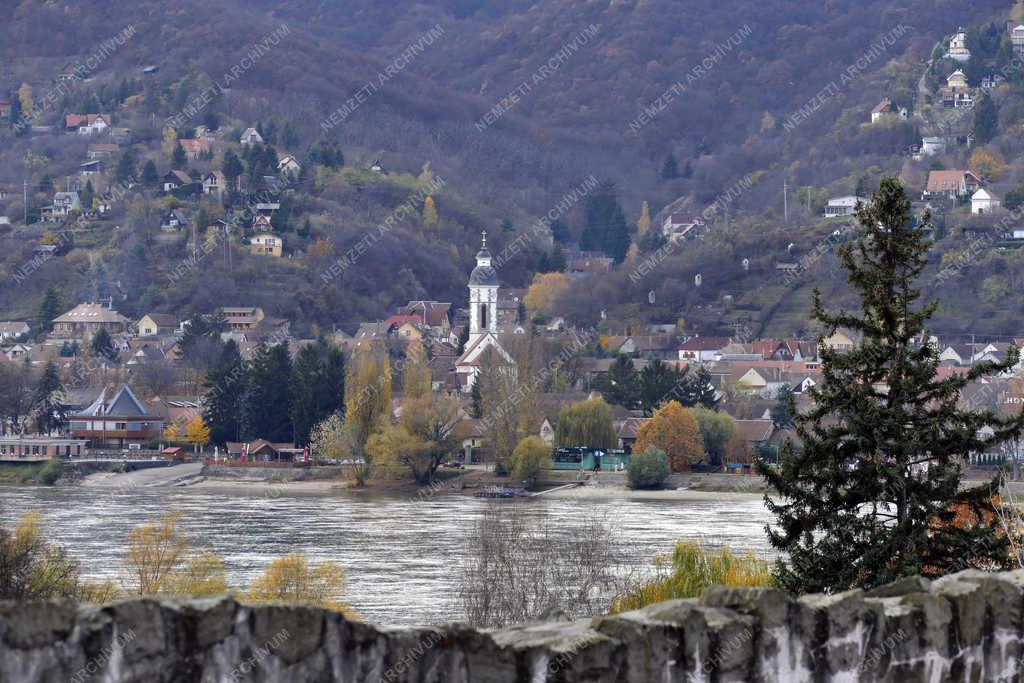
[{"x": 502, "y": 492}]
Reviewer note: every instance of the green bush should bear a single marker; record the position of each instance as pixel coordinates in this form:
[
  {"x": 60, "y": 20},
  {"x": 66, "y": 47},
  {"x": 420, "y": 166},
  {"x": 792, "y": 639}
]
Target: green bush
[
  {"x": 50, "y": 472},
  {"x": 529, "y": 458},
  {"x": 648, "y": 470}
]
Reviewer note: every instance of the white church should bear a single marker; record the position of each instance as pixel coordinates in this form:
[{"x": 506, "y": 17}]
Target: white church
[{"x": 483, "y": 319}]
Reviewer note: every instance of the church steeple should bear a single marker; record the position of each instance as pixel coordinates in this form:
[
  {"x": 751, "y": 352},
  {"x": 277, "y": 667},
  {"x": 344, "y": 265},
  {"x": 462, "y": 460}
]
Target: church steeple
[{"x": 483, "y": 294}]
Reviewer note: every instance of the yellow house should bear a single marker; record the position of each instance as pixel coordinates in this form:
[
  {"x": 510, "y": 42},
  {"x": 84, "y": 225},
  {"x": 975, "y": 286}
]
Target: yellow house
[
  {"x": 956, "y": 81},
  {"x": 409, "y": 331},
  {"x": 839, "y": 341},
  {"x": 266, "y": 245}
]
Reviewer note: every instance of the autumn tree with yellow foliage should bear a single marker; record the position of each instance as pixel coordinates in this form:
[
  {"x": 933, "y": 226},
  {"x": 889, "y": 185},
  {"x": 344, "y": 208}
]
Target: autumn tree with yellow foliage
[
  {"x": 430, "y": 217},
  {"x": 674, "y": 430},
  {"x": 367, "y": 405},
  {"x": 643, "y": 224},
  {"x": 989, "y": 163},
  {"x": 159, "y": 559},
  {"x": 292, "y": 580},
  {"x": 545, "y": 292},
  {"x": 416, "y": 378},
  {"x": 197, "y": 433}
]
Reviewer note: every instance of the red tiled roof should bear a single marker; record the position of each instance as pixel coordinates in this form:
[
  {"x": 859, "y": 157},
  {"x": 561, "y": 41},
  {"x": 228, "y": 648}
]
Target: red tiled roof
[{"x": 704, "y": 344}]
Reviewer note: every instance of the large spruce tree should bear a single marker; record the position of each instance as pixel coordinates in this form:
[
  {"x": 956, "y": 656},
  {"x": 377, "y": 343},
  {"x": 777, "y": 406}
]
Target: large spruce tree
[{"x": 871, "y": 493}]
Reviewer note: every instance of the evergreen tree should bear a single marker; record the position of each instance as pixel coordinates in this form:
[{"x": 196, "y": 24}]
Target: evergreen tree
[
  {"x": 670, "y": 169},
  {"x": 606, "y": 228},
  {"x": 986, "y": 120},
  {"x": 784, "y": 408},
  {"x": 46, "y": 183},
  {"x": 86, "y": 196},
  {"x": 225, "y": 391},
  {"x": 267, "y": 410},
  {"x": 316, "y": 387},
  {"x": 125, "y": 170},
  {"x": 178, "y": 158},
  {"x": 17, "y": 124},
  {"x": 302, "y": 390},
  {"x": 557, "y": 261},
  {"x": 150, "y": 177},
  {"x": 49, "y": 308},
  {"x": 102, "y": 345},
  {"x": 476, "y": 408},
  {"x": 619, "y": 385},
  {"x": 701, "y": 390},
  {"x": 51, "y": 414},
  {"x": 657, "y": 382},
  {"x": 873, "y": 493},
  {"x": 560, "y": 232},
  {"x": 231, "y": 167}
]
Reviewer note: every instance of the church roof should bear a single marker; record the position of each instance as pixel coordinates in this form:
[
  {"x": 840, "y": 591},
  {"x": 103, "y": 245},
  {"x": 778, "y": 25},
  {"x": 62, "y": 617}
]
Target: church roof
[{"x": 484, "y": 275}]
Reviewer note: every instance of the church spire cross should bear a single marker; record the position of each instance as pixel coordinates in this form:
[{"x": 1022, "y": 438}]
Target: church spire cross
[{"x": 483, "y": 239}]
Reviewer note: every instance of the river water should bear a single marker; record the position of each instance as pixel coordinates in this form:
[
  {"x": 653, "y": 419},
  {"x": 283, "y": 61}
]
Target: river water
[{"x": 402, "y": 555}]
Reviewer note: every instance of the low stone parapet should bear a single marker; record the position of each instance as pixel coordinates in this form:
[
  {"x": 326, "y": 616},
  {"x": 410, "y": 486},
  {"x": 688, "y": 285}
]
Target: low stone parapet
[{"x": 964, "y": 627}]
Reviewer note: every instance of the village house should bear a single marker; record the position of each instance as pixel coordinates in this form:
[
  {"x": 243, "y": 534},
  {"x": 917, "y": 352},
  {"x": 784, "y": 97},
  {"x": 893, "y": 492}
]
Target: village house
[
  {"x": 214, "y": 182},
  {"x": 952, "y": 184},
  {"x": 66, "y": 202},
  {"x": 85, "y": 320},
  {"x": 584, "y": 263},
  {"x": 13, "y": 330},
  {"x": 102, "y": 150},
  {"x": 957, "y": 81},
  {"x": 885, "y": 109},
  {"x": 242, "y": 318},
  {"x": 156, "y": 324},
  {"x": 841, "y": 206},
  {"x": 262, "y": 450},
  {"x": 627, "y": 432},
  {"x": 433, "y": 314},
  {"x": 116, "y": 420},
  {"x": 288, "y": 165},
  {"x": 27, "y": 447},
  {"x": 701, "y": 349},
  {"x": 958, "y": 46},
  {"x": 266, "y": 244},
  {"x": 680, "y": 225},
  {"x": 175, "y": 220},
  {"x": 195, "y": 148},
  {"x": 5, "y": 108},
  {"x": 984, "y": 202},
  {"x": 91, "y": 168},
  {"x": 931, "y": 146},
  {"x": 1017, "y": 39},
  {"x": 172, "y": 180},
  {"x": 250, "y": 137},
  {"x": 87, "y": 124}
]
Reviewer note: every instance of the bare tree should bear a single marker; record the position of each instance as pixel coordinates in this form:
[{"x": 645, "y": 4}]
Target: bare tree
[{"x": 524, "y": 567}]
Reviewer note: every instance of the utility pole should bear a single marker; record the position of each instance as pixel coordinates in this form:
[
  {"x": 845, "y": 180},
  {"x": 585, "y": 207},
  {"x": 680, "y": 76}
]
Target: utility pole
[
  {"x": 785, "y": 200},
  {"x": 24, "y": 201}
]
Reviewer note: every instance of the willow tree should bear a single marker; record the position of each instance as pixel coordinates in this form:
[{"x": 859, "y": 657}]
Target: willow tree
[
  {"x": 367, "y": 399},
  {"x": 874, "y": 491},
  {"x": 587, "y": 424}
]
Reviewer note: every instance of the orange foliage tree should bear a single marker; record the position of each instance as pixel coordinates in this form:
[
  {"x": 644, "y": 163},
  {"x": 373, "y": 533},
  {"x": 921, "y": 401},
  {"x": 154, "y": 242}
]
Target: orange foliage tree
[{"x": 674, "y": 430}]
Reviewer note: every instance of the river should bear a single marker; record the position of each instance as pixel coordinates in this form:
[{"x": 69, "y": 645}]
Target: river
[{"x": 402, "y": 555}]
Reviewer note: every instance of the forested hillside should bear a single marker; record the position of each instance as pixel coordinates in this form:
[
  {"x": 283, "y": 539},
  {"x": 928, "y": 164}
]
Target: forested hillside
[{"x": 736, "y": 98}]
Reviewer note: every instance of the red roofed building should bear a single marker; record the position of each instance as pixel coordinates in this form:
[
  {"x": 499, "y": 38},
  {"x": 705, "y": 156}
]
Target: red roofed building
[
  {"x": 88, "y": 124},
  {"x": 194, "y": 148},
  {"x": 952, "y": 184}
]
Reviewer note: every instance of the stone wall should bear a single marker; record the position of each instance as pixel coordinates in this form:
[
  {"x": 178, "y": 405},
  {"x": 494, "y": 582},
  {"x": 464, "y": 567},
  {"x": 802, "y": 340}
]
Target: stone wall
[{"x": 965, "y": 627}]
